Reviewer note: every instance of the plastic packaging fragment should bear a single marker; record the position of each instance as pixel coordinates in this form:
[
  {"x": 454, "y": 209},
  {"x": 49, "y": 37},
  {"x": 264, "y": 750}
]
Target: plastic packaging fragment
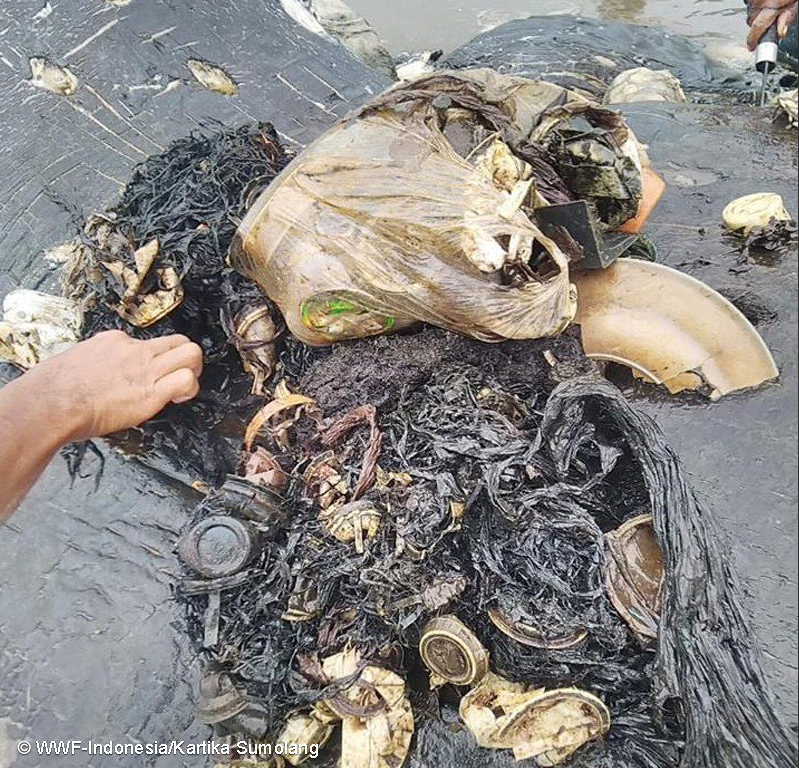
[
  {"x": 643, "y": 84},
  {"x": 212, "y": 77},
  {"x": 52, "y": 77},
  {"x": 529, "y": 636},
  {"x": 549, "y": 726},
  {"x": 379, "y": 737},
  {"x": 262, "y": 468},
  {"x": 147, "y": 293},
  {"x": 382, "y": 222},
  {"x": 304, "y": 731},
  {"x": 324, "y": 483},
  {"x": 289, "y": 407},
  {"x": 36, "y": 326},
  {"x": 670, "y": 329},
  {"x": 255, "y": 335},
  {"x": 353, "y": 522},
  {"x": 334, "y": 433},
  {"x": 755, "y": 211}
]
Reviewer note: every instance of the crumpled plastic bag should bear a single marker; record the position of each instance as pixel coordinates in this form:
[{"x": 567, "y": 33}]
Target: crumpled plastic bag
[{"x": 386, "y": 220}]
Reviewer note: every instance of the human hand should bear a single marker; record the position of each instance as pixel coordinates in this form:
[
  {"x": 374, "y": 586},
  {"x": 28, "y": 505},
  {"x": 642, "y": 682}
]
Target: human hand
[
  {"x": 763, "y": 14},
  {"x": 112, "y": 382}
]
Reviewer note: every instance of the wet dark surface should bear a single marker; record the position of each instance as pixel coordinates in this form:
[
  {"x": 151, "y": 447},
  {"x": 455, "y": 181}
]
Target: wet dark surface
[
  {"x": 556, "y": 47},
  {"x": 136, "y": 94},
  {"x": 741, "y": 451},
  {"x": 91, "y": 643}
]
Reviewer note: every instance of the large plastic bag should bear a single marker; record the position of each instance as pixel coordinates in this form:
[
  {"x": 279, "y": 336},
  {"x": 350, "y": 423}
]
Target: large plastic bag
[{"x": 381, "y": 223}]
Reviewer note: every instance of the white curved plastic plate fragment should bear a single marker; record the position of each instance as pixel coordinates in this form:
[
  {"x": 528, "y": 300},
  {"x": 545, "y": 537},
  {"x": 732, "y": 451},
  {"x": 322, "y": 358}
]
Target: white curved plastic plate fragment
[{"x": 670, "y": 329}]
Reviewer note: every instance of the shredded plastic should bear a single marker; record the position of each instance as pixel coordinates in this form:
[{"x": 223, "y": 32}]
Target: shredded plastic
[{"x": 514, "y": 480}]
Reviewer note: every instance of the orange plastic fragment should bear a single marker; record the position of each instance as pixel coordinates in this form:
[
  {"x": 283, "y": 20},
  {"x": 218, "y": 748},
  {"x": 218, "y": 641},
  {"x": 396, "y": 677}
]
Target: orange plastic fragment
[{"x": 654, "y": 187}]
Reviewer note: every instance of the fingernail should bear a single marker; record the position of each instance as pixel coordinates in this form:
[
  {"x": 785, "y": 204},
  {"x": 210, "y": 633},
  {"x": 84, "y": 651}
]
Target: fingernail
[{"x": 181, "y": 400}]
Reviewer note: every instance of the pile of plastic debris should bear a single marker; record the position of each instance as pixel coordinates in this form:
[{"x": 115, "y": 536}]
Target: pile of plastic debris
[
  {"x": 484, "y": 536},
  {"x": 154, "y": 265},
  {"x": 426, "y": 518}
]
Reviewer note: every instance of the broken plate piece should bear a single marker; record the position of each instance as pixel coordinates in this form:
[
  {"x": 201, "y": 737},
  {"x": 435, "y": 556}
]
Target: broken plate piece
[
  {"x": 376, "y": 717},
  {"x": 526, "y": 635},
  {"x": 485, "y": 708},
  {"x": 36, "y": 326},
  {"x": 452, "y": 652},
  {"x": 758, "y": 210},
  {"x": 225, "y": 706},
  {"x": 220, "y": 700},
  {"x": 634, "y": 574},
  {"x": 303, "y": 731},
  {"x": 549, "y": 726},
  {"x": 670, "y": 329},
  {"x": 553, "y": 725}
]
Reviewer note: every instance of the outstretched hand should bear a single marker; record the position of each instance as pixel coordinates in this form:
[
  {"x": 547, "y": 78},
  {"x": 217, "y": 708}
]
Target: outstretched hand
[
  {"x": 763, "y": 14},
  {"x": 111, "y": 381},
  {"x": 106, "y": 384}
]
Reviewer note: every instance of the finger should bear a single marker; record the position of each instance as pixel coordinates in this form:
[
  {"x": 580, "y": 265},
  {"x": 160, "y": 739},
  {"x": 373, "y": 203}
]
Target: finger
[
  {"x": 786, "y": 20},
  {"x": 166, "y": 343},
  {"x": 177, "y": 387},
  {"x": 112, "y": 334},
  {"x": 187, "y": 355},
  {"x": 760, "y": 25}
]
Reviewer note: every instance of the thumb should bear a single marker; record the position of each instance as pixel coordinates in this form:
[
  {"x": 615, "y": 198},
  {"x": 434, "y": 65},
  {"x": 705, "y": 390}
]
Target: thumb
[
  {"x": 761, "y": 24},
  {"x": 787, "y": 17}
]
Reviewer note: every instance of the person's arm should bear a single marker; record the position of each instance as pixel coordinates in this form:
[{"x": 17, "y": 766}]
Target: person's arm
[
  {"x": 763, "y": 14},
  {"x": 103, "y": 385}
]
